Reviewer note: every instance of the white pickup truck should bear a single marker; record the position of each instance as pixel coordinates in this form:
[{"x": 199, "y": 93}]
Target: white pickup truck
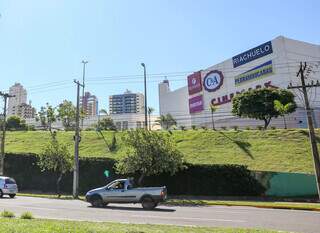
[{"x": 122, "y": 191}]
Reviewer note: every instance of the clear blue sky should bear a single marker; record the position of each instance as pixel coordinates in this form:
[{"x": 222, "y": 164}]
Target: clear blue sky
[{"x": 44, "y": 41}]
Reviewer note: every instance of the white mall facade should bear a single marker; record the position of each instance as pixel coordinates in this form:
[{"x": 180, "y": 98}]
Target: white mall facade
[{"x": 272, "y": 64}]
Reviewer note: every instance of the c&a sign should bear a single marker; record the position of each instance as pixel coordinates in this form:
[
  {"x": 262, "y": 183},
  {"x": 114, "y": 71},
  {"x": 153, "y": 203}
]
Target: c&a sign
[{"x": 213, "y": 80}]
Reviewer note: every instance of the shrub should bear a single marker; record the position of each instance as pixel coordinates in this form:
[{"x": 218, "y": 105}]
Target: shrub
[
  {"x": 273, "y": 127},
  {"x": 260, "y": 127},
  {"x": 7, "y": 214},
  {"x": 193, "y": 127},
  {"x": 182, "y": 127},
  {"x": 235, "y": 127},
  {"x": 247, "y": 128},
  {"x": 26, "y": 215},
  {"x": 223, "y": 128},
  {"x": 203, "y": 127}
]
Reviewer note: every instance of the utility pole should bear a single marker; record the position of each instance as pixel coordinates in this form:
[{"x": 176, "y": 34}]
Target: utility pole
[
  {"x": 83, "y": 79},
  {"x": 3, "y": 138},
  {"x": 145, "y": 97},
  {"x": 313, "y": 142},
  {"x": 77, "y": 138}
]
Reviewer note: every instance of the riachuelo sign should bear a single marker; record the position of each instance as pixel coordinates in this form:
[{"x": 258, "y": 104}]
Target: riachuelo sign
[{"x": 252, "y": 54}]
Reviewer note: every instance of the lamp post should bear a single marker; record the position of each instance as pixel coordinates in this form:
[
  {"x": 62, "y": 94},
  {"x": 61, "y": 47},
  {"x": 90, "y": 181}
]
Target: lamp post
[{"x": 145, "y": 97}]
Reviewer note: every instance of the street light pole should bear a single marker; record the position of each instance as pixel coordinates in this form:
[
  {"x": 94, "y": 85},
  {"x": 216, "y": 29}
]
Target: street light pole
[
  {"x": 83, "y": 79},
  {"x": 145, "y": 97}
]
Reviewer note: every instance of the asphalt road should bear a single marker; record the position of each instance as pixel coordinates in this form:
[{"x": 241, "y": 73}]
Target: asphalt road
[{"x": 214, "y": 216}]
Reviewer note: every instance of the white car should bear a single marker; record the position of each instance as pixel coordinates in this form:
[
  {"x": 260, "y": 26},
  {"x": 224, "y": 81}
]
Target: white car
[{"x": 8, "y": 186}]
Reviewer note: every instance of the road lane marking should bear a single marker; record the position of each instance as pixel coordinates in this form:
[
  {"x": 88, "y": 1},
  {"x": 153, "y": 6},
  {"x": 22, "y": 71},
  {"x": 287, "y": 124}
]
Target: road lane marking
[{"x": 196, "y": 219}]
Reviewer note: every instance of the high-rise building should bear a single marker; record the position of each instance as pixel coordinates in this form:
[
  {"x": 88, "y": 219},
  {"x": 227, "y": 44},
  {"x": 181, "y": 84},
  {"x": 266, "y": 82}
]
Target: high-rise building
[
  {"x": 89, "y": 103},
  {"x": 20, "y": 97},
  {"x": 126, "y": 103}
]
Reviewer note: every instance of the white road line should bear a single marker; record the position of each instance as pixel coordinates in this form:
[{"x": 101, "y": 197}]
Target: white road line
[
  {"x": 196, "y": 219},
  {"x": 28, "y": 207}
]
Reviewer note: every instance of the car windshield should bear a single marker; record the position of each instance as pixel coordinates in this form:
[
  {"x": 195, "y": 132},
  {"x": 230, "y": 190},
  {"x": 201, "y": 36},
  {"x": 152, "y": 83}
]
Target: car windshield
[{"x": 10, "y": 181}]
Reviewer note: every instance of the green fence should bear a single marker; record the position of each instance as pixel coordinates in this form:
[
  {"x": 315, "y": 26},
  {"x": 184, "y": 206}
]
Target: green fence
[{"x": 284, "y": 184}]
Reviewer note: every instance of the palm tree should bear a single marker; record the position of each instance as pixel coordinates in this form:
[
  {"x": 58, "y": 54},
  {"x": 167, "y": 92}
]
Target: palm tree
[
  {"x": 283, "y": 109},
  {"x": 213, "y": 109},
  {"x": 150, "y": 111}
]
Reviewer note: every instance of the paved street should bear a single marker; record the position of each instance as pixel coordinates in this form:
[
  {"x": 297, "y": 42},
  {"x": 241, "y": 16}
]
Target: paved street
[{"x": 216, "y": 216}]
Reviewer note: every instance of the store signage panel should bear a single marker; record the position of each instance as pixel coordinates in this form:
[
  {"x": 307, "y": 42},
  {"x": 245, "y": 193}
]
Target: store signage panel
[
  {"x": 252, "y": 54},
  {"x": 256, "y": 73},
  {"x": 194, "y": 83},
  {"x": 213, "y": 80},
  {"x": 196, "y": 104}
]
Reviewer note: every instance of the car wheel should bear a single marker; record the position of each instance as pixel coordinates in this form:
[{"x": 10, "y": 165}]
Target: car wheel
[
  {"x": 97, "y": 201},
  {"x": 1, "y": 193},
  {"x": 148, "y": 203},
  {"x": 12, "y": 195}
]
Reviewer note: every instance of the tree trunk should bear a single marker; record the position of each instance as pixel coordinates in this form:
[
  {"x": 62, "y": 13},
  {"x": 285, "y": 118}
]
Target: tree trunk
[
  {"x": 212, "y": 122},
  {"x": 285, "y": 123},
  {"x": 266, "y": 122},
  {"x": 140, "y": 179},
  {"x": 149, "y": 122},
  {"x": 58, "y": 184}
]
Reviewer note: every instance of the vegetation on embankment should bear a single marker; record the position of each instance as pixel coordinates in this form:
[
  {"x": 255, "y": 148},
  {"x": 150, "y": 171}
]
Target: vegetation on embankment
[{"x": 270, "y": 150}]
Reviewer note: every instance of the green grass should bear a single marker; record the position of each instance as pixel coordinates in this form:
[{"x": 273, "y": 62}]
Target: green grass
[
  {"x": 7, "y": 214},
  {"x": 46, "y": 226},
  {"x": 271, "y": 150},
  {"x": 27, "y": 215}
]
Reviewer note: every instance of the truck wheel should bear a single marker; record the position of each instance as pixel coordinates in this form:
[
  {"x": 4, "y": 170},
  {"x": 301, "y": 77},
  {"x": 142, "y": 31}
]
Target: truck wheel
[
  {"x": 148, "y": 203},
  {"x": 97, "y": 201},
  {"x": 1, "y": 193},
  {"x": 12, "y": 195}
]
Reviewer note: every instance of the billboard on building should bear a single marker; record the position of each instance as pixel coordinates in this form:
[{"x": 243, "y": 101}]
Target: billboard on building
[
  {"x": 258, "y": 72},
  {"x": 194, "y": 83},
  {"x": 196, "y": 104},
  {"x": 252, "y": 54}
]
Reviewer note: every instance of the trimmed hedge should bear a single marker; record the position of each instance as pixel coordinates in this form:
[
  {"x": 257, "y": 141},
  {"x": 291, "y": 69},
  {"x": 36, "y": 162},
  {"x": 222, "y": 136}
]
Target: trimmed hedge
[{"x": 226, "y": 180}]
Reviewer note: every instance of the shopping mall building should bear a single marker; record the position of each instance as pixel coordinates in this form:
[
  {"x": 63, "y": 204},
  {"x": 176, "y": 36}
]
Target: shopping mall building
[{"x": 272, "y": 64}]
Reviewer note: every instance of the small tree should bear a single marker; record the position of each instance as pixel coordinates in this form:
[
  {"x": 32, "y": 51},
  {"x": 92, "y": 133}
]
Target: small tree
[
  {"x": 47, "y": 116},
  {"x": 284, "y": 109},
  {"x": 56, "y": 157},
  {"x": 16, "y": 123},
  {"x": 106, "y": 124},
  {"x": 259, "y": 103},
  {"x": 213, "y": 109},
  {"x": 67, "y": 114},
  {"x": 166, "y": 121},
  {"x": 150, "y": 153}
]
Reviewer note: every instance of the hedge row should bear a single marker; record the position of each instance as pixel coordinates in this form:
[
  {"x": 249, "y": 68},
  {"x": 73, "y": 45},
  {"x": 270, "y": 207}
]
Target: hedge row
[{"x": 226, "y": 180}]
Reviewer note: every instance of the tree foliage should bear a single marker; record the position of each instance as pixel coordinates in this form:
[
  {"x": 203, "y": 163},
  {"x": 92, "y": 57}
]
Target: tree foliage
[
  {"x": 67, "y": 114},
  {"x": 106, "y": 124},
  {"x": 57, "y": 158},
  {"x": 284, "y": 109},
  {"x": 47, "y": 115},
  {"x": 150, "y": 153},
  {"x": 16, "y": 123},
  {"x": 259, "y": 104},
  {"x": 166, "y": 121}
]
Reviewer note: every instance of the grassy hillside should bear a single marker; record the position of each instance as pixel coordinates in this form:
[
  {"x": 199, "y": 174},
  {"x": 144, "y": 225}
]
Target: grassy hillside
[{"x": 273, "y": 150}]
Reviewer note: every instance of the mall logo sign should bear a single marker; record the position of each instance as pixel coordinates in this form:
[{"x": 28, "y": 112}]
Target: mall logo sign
[
  {"x": 194, "y": 83},
  {"x": 259, "y": 72},
  {"x": 213, "y": 80},
  {"x": 252, "y": 54}
]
